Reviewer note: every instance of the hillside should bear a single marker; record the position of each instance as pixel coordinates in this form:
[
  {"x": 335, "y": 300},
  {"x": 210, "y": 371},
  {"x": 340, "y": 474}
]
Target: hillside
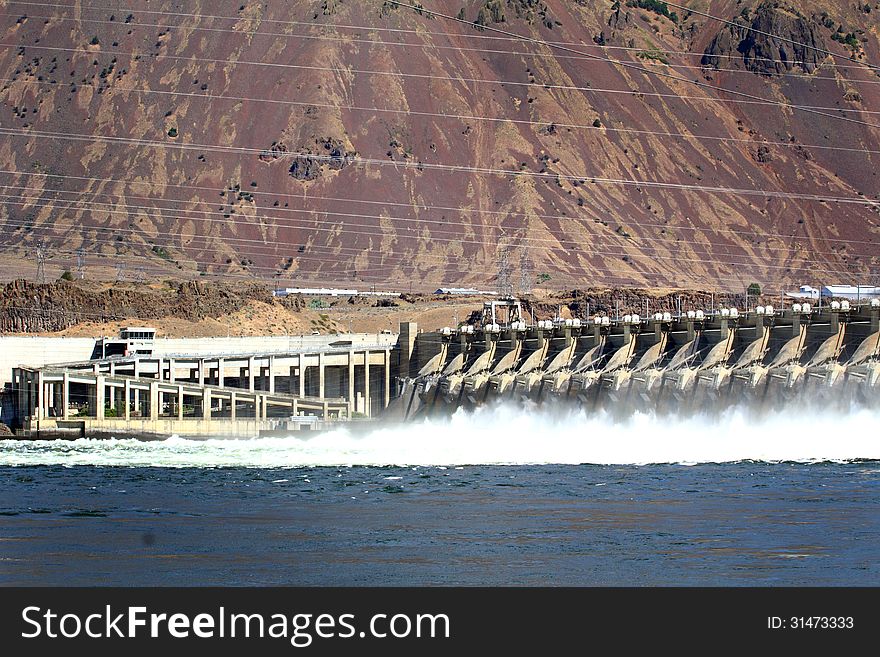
[{"x": 336, "y": 142}]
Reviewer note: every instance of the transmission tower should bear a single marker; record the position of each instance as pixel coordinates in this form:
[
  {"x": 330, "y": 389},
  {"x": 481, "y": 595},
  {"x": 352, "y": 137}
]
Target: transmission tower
[
  {"x": 505, "y": 286},
  {"x": 139, "y": 275},
  {"x": 40, "y": 254},
  {"x": 80, "y": 263},
  {"x": 525, "y": 274},
  {"x": 120, "y": 271}
]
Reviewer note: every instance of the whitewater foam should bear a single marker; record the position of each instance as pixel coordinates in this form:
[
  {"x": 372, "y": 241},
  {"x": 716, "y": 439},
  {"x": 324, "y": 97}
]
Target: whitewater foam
[{"x": 501, "y": 436}]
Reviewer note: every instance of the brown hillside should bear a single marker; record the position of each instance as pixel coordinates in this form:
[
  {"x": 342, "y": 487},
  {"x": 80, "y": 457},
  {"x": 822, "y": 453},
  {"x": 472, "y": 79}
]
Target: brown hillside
[{"x": 273, "y": 140}]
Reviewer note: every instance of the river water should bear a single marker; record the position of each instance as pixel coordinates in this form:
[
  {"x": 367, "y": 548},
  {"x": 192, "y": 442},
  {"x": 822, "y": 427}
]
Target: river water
[{"x": 500, "y": 496}]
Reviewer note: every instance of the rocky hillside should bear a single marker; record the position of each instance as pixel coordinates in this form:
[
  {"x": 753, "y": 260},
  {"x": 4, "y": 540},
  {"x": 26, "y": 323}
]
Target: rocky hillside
[
  {"x": 364, "y": 143},
  {"x": 27, "y": 307}
]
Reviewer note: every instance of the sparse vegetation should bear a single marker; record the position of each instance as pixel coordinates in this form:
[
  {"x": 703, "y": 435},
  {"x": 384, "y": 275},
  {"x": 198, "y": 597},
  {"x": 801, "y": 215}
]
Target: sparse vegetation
[
  {"x": 162, "y": 253},
  {"x": 656, "y": 6}
]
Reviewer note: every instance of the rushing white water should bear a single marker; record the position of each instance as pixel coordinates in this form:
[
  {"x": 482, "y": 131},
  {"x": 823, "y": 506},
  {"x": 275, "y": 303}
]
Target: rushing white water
[{"x": 501, "y": 435}]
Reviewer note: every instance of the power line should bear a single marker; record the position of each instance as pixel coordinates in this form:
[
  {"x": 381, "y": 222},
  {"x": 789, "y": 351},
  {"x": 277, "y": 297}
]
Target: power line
[
  {"x": 644, "y": 251},
  {"x": 630, "y": 65},
  {"x": 336, "y": 199},
  {"x": 561, "y": 277},
  {"x": 362, "y": 161},
  {"x": 600, "y": 130},
  {"x": 129, "y": 210},
  {"x": 751, "y": 99},
  {"x": 421, "y": 33}
]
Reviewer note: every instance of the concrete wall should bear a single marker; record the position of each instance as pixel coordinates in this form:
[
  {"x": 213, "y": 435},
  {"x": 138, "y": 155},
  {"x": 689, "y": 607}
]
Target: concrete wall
[{"x": 36, "y": 352}]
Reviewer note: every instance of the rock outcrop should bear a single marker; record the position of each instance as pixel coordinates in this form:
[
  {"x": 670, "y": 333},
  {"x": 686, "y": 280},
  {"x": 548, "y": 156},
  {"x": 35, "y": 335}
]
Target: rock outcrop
[
  {"x": 328, "y": 152},
  {"x": 32, "y": 308},
  {"x": 759, "y": 44}
]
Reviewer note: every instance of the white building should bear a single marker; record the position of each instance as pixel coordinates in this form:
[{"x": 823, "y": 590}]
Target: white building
[
  {"x": 331, "y": 292},
  {"x": 461, "y": 290},
  {"x": 804, "y": 292},
  {"x": 856, "y": 292}
]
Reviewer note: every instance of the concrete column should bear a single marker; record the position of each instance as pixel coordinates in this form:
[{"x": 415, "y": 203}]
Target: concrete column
[
  {"x": 326, "y": 410},
  {"x": 302, "y": 376},
  {"x": 127, "y": 397},
  {"x": 220, "y": 364},
  {"x": 159, "y": 368},
  {"x": 321, "y": 375},
  {"x": 351, "y": 382},
  {"x": 112, "y": 368},
  {"x": 264, "y": 408},
  {"x": 179, "y": 402},
  {"x": 171, "y": 370},
  {"x": 154, "y": 401},
  {"x": 99, "y": 397},
  {"x": 206, "y": 404},
  {"x": 388, "y": 376},
  {"x": 201, "y": 373},
  {"x": 41, "y": 396},
  {"x": 65, "y": 397},
  {"x": 272, "y": 374},
  {"x": 96, "y": 368},
  {"x": 232, "y": 403},
  {"x": 367, "y": 404},
  {"x": 406, "y": 345},
  {"x": 137, "y": 367},
  {"x": 294, "y": 410},
  {"x": 137, "y": 402}
]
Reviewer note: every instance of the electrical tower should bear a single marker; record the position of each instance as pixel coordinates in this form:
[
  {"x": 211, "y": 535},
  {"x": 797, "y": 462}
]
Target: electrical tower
[
  {"x": 505, "y": 286},
  {"x": 120, "y": 271},
  {"x": 525, "y": 273},
  {"x": 139, "y": 275},
  {"x": 80, "y": 263},
  {"x": 40, "y": 254}
]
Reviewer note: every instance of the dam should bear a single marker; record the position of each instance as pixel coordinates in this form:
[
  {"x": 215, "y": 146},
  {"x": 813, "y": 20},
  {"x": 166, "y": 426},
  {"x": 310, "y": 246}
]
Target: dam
[
  {"x": 671, "y": 362},
  {"x": 695, "y": 359}
]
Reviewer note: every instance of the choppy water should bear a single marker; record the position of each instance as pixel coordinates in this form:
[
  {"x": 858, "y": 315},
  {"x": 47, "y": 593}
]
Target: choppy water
[{"x": 496, "y": 497}]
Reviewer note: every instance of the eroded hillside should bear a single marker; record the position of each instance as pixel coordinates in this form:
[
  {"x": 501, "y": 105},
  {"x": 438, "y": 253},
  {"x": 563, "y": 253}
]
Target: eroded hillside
[{"x": 363, "y": 143}]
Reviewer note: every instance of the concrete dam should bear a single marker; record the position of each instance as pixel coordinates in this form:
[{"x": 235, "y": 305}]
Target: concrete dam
[
  {"x": 139, "y": 385},
  {"x": 675, "y": 363}
]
